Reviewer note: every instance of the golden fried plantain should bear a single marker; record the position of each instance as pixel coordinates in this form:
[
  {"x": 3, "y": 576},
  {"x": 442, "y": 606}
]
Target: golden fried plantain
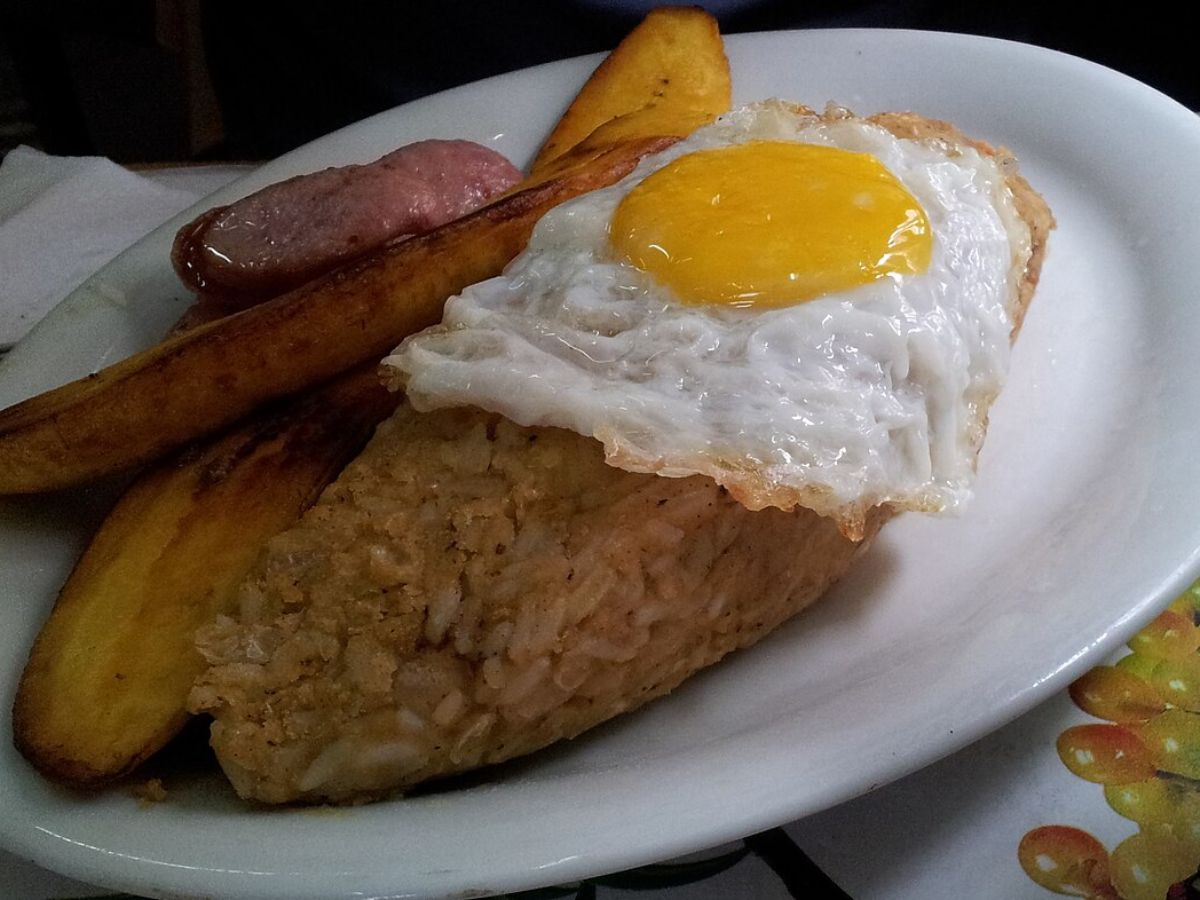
[
  {"x": 667, "y": 77},
  {"x": 108, "y": 677},
  {"x": 207, "y": 377}
]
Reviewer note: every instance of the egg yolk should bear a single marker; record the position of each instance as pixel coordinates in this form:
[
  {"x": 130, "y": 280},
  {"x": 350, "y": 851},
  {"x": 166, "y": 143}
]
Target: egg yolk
[{"x": 771, "y": 223}]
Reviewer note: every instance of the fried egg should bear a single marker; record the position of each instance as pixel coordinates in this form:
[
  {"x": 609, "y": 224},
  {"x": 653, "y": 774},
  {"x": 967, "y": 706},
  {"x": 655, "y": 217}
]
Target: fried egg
[{"x": 807, "y": 309}]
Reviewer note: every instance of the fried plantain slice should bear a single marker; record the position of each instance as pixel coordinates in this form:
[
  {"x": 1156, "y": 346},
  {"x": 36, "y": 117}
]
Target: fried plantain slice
[
  {"x": 208, "y": 377},
  {"x": 108, "y": 677},
  {"x": 667, "y": 77}
]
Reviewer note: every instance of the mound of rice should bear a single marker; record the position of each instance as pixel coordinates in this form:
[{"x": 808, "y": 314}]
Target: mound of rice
[{"x": 470, "y": 590}]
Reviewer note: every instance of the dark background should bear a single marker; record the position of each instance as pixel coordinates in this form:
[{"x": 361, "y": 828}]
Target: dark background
[{"x": 174, "y": 80}]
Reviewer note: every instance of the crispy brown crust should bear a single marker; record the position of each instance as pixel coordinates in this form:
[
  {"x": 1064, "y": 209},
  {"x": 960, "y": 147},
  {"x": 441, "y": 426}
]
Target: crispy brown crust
[{"x": 1030, "y": 205}]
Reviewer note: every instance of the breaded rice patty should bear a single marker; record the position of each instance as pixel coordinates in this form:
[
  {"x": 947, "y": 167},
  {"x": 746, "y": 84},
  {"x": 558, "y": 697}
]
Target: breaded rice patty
[{"x": 470, "y": 590}]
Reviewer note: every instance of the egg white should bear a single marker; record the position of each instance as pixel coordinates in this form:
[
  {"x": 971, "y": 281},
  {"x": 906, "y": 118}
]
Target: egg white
[{"x": 873, "y": 395}]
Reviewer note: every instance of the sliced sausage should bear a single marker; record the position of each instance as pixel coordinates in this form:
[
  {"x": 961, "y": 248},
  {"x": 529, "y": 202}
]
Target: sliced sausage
[{"x": 290, "y": 232}]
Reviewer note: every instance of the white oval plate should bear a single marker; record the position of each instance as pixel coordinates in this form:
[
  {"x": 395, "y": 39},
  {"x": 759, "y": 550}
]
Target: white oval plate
[{"x": 1084, "y": 525}]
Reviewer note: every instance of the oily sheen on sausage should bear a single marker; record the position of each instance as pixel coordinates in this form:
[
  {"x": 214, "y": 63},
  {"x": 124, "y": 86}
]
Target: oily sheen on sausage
[{"x": 289, "y": 233}]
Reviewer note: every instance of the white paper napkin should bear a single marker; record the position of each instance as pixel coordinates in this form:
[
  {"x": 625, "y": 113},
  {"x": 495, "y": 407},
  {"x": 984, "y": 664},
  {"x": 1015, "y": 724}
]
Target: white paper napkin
[{"x": 62, "y": 218}]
